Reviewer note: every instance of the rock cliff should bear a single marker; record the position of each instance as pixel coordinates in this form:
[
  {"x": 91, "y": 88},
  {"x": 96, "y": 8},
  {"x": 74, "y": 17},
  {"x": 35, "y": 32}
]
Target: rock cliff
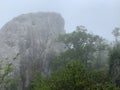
[{"x": 28, "y": 42}]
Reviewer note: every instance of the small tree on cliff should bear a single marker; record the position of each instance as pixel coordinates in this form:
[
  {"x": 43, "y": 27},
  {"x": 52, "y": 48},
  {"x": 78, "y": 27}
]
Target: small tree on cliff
[{"x": 5, "y": 78}]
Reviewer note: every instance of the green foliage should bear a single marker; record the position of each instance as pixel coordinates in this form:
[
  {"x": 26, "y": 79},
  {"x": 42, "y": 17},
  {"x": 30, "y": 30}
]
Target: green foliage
[
  {"x": 114, "y": 59},
  {"x": 39, "y": 82},
  {"x": 74, "y": 76},
  {"x": 79, "y": 67},
  {"x": 83, "y": 46},
  {"x": 116, "y": 33},
  {"x": 114, "y": 64},
  {"x": 6, "y": 79},
  {"x": 114, "y": 55}
]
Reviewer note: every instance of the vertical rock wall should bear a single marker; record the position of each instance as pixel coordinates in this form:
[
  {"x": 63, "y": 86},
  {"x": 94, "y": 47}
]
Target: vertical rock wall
[{"x": 28, "y": 41}]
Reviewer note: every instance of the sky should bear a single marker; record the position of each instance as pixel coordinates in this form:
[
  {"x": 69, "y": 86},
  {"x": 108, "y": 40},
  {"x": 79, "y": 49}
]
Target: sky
[{"x": 98, "y": 16}]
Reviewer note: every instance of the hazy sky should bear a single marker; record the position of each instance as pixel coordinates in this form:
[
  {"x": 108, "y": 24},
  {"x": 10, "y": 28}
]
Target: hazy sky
[{"x": 99, "y": 16}]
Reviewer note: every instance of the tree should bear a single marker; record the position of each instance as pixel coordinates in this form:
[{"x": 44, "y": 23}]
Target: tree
[
  {"x": 5, "y": 77},
  {"x": 114, "y": 59},
  {"x": 81, "y": 45},
  {"x": 116, "y": 33},
  {"x": 72, "y": 69},
  {"x": 114, "y": 64},
  {"x": 74, "y": 76}
]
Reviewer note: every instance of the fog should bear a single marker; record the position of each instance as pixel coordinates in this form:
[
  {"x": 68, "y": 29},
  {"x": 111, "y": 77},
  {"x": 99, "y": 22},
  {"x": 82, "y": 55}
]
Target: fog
[
  {"x": 60, "y": 45},
  {"x": 98, "y": 16}
]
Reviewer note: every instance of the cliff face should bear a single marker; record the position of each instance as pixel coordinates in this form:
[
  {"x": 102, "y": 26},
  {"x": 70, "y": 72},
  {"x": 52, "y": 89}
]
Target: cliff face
[{"x": 28, "y": 42}]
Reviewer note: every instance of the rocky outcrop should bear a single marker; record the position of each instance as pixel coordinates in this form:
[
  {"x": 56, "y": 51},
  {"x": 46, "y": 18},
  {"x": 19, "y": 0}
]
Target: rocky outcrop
[{"x": 28, "y": 42}]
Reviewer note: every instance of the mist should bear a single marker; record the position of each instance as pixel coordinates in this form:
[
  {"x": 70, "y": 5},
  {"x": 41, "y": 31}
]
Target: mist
[
  {"x": 100, "y": 17},
  {"x": 60, "y": 45}
]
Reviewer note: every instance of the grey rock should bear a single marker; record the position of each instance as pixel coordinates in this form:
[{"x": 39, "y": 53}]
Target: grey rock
[{"x": 28, "y": 42}]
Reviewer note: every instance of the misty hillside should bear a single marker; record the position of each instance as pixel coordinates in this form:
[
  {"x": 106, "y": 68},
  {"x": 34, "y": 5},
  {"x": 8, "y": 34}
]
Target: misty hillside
[{"x": 37, "y": 54}]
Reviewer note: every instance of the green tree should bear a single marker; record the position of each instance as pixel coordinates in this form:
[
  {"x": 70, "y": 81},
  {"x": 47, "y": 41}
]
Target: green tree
[
  {"x": 114, "y": 59},
  {"x": 116, "y": 33},
  {"x": 74, "y": 76},
  {"x": 83, "y": 46},
  {"x": 5, "y": 77},
  {"x": 114, "y": 64}
]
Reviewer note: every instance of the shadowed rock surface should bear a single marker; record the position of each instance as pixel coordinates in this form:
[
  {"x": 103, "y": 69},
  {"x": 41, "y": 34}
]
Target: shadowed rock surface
[{"x": 28, "y": 42}]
